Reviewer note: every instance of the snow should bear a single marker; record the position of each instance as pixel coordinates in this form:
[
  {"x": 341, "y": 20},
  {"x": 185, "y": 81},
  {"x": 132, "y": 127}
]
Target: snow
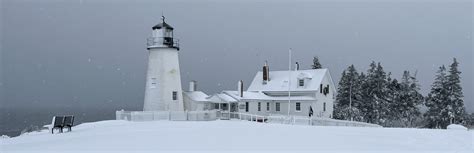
[
  {"x": 198, "y": 96},
  {"x": 238, "y": 136},
  {"x": 279, "y": 80},
  {"x": 456, "y": 127},
  {"x": 221, "y": 98},
  {"x": 252, "y": 95}
]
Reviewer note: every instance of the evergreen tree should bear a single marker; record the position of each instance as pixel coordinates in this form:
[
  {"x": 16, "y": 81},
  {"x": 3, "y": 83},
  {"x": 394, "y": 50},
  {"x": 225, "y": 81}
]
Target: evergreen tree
[
  {"x": 348, "y": 97},
  {"x": 412, "y": 111},
  {"x": 316, "y": 64},
  {"x": 436, "y": 100},
  {"x": 375, "y": 107},
  {"x": 456, "y": 108},
  {"x": 393, "y": 99},
  {"x": 360, "y": 105},
  {"x": 445, "y": 101},
  {"x": 405, "y": 99}
]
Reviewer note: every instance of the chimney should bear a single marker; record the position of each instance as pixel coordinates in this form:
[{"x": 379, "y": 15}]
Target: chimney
[
  {"x": 297, "y": 66},
  {"x": 240, "y": 88},
  {"x": 192, "y": 85},
  {"x": 266, "y": 72}
]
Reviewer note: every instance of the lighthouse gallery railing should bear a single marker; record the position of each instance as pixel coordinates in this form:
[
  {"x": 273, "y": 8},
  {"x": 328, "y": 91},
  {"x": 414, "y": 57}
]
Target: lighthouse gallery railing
[{"x": 162, "y": 41}]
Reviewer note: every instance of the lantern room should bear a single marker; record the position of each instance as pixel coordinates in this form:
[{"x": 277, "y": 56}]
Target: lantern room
[{"x": 162, "y": 36}]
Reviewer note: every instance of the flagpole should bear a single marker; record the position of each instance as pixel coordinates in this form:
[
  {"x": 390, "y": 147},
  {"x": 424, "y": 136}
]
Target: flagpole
[{"x": 289, "y": 81}]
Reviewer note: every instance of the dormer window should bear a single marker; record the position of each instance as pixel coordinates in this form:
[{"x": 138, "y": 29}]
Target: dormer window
[{"x": 301, "y": 82}]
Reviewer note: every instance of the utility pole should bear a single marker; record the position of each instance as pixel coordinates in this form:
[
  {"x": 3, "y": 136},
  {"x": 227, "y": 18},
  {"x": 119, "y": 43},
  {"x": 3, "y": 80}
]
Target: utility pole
[{"x": 289, "y": 81}]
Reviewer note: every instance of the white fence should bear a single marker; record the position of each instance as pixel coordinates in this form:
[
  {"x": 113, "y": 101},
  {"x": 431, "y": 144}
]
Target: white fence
[
  {"x": 333, "y": 122},
  {"x": 214, "y": 115},
  {"x": 300, "y": 120},
  {"x": 248, "y": 117},
  {"x": 166, "y": 115}
]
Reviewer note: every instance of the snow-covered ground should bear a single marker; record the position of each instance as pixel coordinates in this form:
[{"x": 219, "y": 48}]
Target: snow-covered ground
[{"x": 237, "y": 136}]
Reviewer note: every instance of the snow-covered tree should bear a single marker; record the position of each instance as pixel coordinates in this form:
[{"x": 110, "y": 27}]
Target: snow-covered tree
[
  {"x": 436, "y": 101},
  {"x": 316, "y": 64},
  {"x": 469, "y": 120},
  {"x": 456, "y": 102},
  {"x": 405, "y": 99},
  {"x": 393, "y": 98},
  {"x": 375, "y": 106},
  {"x": 445, "y": 101},
  {"x": 349, "y": 95}
]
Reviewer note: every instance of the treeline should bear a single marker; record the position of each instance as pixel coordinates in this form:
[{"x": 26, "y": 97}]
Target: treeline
[{"x": 376, "y": 97}]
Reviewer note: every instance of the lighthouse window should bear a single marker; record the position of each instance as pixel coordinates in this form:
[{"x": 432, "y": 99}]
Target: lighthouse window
[
  {"x": 324, "y": 106},
  {"x": 259, "y": 106},
  {"x": 298, "y": 107},
  {"x": 175, "y": 95},
  {"x": 268, "y": 106},
  {"x": 153, "y": 83},
  {"x": 277, "y": 107}
]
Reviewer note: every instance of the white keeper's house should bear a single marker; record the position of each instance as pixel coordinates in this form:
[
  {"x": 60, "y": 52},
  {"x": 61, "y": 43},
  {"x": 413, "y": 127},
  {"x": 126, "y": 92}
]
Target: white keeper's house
[{"x": 270, "y": 93}]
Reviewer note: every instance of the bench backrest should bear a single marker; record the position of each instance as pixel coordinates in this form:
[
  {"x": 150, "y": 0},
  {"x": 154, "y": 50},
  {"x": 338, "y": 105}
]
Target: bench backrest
[
  {"x": 58, "y": 121},
  {"x": 68, "y": 120}
]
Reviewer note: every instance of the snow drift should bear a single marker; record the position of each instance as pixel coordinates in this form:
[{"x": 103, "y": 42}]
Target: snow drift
[
  {"x": 456, "y": 127},
  {"x": 241, "y": 136}
]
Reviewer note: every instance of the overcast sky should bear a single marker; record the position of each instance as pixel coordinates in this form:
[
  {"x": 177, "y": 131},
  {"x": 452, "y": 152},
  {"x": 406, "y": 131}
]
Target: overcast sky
[{"x": 92, "y": 54}]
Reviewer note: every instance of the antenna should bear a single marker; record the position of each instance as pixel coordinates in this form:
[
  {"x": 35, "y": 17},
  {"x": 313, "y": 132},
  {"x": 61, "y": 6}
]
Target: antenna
[{"x": 162, "y": 17}]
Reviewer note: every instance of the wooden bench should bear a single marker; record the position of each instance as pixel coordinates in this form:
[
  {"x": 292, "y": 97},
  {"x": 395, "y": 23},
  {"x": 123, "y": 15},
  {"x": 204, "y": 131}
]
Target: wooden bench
[{"x": 60, "y": 122}]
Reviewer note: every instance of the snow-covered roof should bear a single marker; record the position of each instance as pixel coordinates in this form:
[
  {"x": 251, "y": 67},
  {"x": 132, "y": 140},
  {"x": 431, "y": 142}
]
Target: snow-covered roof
[
  {"x": 198, "y": 96},
  {"x": 279, "y": 80},
  {"x": 221, "y": 98},
  {"x": 251, "y": 95}
]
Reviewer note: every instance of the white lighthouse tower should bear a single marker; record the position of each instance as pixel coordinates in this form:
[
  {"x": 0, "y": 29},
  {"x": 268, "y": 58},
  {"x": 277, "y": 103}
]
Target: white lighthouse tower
[{"x": 163, "y": 81}]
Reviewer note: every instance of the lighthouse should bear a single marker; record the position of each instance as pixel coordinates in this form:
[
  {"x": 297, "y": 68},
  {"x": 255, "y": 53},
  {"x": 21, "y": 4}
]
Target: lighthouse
[{"x": 163, "y": 81}]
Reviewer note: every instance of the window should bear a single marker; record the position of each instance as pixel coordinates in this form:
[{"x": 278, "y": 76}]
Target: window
[
  {"x": 298, "y": 107},
  {"x": 175, "y": 95},
  {"x": 321, "y": 88},
  {"x": 259, "y": 107},
  {"x": 301, "y": 82},
  {"x": 241, "y": 106},
  {"x": 268, "y": 106},
  {"x": 246, "y": 106},
  {"x": 277, "y": 107},
  {"x": 324, "y": 106},
  {"x": 153, "y": 83}
]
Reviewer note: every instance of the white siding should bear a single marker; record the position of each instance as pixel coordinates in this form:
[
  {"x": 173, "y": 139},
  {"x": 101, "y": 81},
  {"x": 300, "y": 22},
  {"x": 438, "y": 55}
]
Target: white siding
[
  {"x": 328, "y": 99},
  {"x": 163, "y": 77}
]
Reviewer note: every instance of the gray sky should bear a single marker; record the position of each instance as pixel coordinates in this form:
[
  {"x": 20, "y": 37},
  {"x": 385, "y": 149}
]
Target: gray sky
[{"x": 91, "y": 54}]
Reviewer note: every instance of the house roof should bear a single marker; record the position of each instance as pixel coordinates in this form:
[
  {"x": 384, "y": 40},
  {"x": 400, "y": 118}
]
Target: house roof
[
  {"x": 221, "y": 98},
  {"x": 279, "y": 80},
  {"x": 197, "y": 96},
  {"x": 250, "y": 95}
]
